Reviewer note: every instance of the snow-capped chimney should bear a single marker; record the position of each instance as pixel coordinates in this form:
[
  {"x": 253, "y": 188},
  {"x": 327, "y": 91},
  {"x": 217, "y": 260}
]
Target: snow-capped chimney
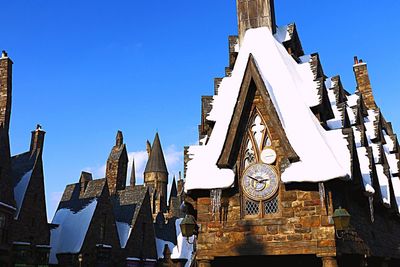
[
  {"x": 255, "y": 14},
  {"x": 363, "y": 82},
  {"x": 37, "y": 140},
  {"x": 5, "y": 90}
]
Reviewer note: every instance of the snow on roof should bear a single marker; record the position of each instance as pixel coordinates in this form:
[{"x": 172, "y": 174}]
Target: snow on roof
[
  {"x": 282, "y": 33},
  {"x": 20, "y": 190},
  {"x": 124, "y": 232},
  {"x": 286, "y": 83},
  {"x": 68, "y": 237},
  {"x": 384, "y": 184},
  {"x": 182, "y": 250}
]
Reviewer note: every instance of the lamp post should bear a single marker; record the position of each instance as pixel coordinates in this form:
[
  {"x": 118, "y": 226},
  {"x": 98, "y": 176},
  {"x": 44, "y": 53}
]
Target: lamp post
[{"x": 341, "y": 220}]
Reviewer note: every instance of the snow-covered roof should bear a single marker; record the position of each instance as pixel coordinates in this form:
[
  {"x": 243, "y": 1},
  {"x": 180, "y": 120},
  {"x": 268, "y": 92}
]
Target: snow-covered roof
[
  {"x": 323, "y": 149},
  {"x": 68, "y": 237},
  {"x": 182, "y": 250},
  {"x": 22, "y": 166},
  {"x": 323, "y": 154}
]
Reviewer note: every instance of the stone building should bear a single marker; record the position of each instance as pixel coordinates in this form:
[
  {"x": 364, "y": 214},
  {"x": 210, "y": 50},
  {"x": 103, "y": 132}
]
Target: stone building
[
  {"x": 284, "y": 150},
  {"x": 22, "y": 195}
]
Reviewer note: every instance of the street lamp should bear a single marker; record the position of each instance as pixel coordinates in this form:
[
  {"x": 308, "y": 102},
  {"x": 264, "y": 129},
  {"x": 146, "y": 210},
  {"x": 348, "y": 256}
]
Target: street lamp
[
  {"x": 341, "y": 219},
  {"x": 188, "y": 226}
]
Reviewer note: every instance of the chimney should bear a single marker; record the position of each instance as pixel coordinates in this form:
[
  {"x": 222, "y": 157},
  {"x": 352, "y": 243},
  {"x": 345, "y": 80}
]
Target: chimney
[
  {"x": 85, "y": 178},
  {"x": 5, "y": 90},
  {"x": 37, "y": 140},
  {"x": 363, "y": 83},
  {"x": 180, "y": 183},
  {"x": 255, "y": 14}
]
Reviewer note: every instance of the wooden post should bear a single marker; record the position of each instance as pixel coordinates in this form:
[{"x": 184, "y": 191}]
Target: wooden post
[{"x": 329, "y": 262}]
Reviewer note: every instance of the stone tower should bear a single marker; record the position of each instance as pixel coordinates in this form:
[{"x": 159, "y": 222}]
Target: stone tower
[
  {"x": 254, "y": 14},
  {"x": 117, "y": 165},
  {"x": 156, "y": 177}
]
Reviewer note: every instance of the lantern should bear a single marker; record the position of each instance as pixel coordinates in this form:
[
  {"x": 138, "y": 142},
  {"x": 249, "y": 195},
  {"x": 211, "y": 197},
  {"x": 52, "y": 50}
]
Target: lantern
[
  {"x": 341, "y": 219},
  {"x": 188, "y": 226}
]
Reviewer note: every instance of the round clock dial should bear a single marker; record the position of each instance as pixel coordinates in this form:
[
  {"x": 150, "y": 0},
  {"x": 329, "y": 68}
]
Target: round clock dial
[
  {"x": 268, "y": 156},
  {"x": 260, "y": 182}
]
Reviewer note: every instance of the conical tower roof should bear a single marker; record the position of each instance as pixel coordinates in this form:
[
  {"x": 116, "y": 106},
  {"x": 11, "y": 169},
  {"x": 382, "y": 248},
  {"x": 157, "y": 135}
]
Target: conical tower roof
[{"x": 156, "y": 162}]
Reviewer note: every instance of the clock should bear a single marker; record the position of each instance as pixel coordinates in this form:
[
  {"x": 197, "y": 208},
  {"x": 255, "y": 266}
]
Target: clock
[
  {"x": 268, "y": 156},
  {"x": 260, "y": 181}
]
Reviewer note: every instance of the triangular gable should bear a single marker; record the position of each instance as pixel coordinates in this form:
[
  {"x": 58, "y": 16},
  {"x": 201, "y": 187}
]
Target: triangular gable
[{"x": 252, "y": 82}]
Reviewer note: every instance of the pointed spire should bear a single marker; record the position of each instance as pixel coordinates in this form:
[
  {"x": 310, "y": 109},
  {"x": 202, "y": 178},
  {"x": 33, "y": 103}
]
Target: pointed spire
[
  {"x": 119, "y": 140},
  {"x": 133, "y": 175},
  {"x": 174, "y": 191},
  {"x": 156, "y": 162}
]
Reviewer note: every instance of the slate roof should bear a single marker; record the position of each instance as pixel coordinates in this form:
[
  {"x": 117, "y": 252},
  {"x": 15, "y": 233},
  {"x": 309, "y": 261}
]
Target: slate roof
[
  {"x": 22, "y": 166},
  {"x": 174, "y": 191},
  {"x": 73, "y": 217},
  {"x": 156, "y": 162},
  {"x": 126, "y": 205}
]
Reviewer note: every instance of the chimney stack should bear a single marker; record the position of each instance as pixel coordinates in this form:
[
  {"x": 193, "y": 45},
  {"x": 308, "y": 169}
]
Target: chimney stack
[
  {"x": 364, "y": 83},
  {"x": 37, "y": 140},
  {"x": 5, "y": 90},
  {"x": 255, "y": 14},
  {"x": 119, "y": 140}
]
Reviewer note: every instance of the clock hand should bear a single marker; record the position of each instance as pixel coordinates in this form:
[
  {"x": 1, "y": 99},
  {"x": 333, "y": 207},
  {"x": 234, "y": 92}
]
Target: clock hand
[
  {"x": 264, "y": 180},
  {"x": 255, "y": 179}
]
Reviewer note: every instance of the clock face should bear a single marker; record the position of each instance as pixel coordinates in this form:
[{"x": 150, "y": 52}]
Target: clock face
[
  {"x": 268, "y": 156},
  {"x": 260, "y": 182}
]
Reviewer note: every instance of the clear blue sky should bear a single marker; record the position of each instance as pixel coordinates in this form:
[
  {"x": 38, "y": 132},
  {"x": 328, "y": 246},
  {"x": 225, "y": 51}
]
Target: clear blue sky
[{"x": 84, "y": 69}]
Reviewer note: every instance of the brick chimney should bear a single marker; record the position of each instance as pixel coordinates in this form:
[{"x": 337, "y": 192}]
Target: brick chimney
[
  {"x": 5, "y": 90},
  {"x": 255, "y": 14},
  {"x": 363, "y": 83},
  {"x": 37, "y": 140}
]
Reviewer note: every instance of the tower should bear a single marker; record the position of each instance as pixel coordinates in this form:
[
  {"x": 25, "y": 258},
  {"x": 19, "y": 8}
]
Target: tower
[
  {"x": 117, "y": 165},
  {"x": 156, "y": 177},
  {"x": 254, "y": 14}
]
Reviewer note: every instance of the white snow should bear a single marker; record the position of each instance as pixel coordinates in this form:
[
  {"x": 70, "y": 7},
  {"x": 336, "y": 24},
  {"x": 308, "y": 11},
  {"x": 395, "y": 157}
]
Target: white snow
[
  {"x": 68, "y": 237},
  {"x": 282, "y": 34},
  {"x": 124, "y": 231},
  {"x": 286, "y": 83},
  {"x": 384, "y": 184},
  {"x": 7, "y": 206},
  {"x": 352, "y": 100},
  {"x": 369, "y": 124},
  {"x": 396, "y": 187},
  {"x": 365, "y": 170},
  {"x": 182, "y": 250},
  {"x": 20, "y": 190}
]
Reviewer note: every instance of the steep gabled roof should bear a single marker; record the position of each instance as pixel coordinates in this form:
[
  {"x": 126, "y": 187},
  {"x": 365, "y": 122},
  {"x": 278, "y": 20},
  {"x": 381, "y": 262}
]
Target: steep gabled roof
[
  {"x": 173, "y": 192},
  {"x": 22, "y": 166},
  {"x": 73, "y": 217},
  {"x": 156, "y": 162},
  {"x": 323, "y": 155},
  {"x": 126, "y": 205}
]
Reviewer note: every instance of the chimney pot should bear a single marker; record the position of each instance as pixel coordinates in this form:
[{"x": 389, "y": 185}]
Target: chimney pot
[
  {"x": 4, "y": 54},
  {"x": 355, "y": 60}
]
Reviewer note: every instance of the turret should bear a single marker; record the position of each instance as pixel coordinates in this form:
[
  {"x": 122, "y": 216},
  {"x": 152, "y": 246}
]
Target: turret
[
  {"x": 117, "y": 165},
  {"x": 156, "y": 177},
  {"x": 254, "y": 14}
]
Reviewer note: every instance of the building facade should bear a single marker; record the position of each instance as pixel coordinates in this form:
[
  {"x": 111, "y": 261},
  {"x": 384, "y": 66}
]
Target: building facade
[
  {"x": 282, "y": 149},
  {"x": 22, "y": 195}
]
